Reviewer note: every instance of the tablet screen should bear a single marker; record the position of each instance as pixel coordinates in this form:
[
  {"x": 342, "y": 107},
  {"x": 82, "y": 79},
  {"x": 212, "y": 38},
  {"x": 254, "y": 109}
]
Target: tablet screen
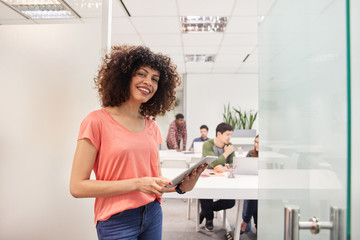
[{"x": 175, "y": 181}]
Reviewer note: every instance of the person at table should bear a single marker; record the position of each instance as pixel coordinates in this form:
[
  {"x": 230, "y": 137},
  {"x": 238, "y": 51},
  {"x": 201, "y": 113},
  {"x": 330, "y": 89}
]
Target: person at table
[
  {"x": 203, "y": 136},
  {"x": 219, "y": 146},
  {"x": 177, "y": 131},
  {"x": 250, "y": 207},
  {"x": 119, "y": 142}
]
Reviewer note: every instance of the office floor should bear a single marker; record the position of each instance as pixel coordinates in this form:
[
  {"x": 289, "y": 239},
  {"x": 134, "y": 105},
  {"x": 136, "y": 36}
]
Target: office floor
[{"x": 176, "y": 226}]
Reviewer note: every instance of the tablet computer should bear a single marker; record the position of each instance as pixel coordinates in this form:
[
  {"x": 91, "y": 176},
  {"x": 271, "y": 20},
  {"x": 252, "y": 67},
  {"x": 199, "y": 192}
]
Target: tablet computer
[{"x": 175, "y": 181}]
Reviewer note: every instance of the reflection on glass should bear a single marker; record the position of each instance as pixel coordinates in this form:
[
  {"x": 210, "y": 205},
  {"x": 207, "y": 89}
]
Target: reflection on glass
[{"x": 303, "y": 106}]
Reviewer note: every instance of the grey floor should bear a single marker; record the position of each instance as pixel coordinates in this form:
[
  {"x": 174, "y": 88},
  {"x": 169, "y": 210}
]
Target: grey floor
[{"x": 177, "y": 226}]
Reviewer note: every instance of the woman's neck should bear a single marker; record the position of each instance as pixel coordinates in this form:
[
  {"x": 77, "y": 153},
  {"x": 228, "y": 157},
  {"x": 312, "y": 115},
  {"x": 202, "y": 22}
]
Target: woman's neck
[{"x": 127, "y": 109}]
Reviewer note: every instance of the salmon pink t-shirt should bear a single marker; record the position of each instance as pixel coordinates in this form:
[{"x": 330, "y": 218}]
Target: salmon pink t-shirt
[{"x": 122, "y": 154}]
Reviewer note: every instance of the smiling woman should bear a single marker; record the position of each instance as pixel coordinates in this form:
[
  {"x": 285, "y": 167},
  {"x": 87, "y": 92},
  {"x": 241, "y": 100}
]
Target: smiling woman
[
  {"x": 125, "y": 61},
  {"x": 120, "y": 144}
]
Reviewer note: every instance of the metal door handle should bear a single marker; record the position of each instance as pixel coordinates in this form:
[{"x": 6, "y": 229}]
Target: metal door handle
[{"x": 292, "y": 224}]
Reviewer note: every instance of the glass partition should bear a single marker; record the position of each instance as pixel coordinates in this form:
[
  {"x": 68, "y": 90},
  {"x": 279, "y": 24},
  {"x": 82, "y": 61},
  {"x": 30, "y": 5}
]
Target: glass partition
[{"x": 302, "y": 111}]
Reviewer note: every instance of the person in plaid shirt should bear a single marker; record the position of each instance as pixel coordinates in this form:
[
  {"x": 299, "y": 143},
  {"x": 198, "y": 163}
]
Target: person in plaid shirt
[{"x": 177, "y": 131}]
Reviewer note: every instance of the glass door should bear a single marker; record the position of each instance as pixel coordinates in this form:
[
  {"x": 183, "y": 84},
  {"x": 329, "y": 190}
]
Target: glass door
[{"x": 303, "y": 113}]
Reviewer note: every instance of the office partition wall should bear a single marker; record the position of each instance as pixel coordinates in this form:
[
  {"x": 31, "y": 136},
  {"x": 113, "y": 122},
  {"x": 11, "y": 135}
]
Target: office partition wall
[{"x": 303, "y": 90}]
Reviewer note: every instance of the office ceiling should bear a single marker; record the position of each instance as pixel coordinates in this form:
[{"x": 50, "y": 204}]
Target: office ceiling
[{"x": 156, "y": 24}]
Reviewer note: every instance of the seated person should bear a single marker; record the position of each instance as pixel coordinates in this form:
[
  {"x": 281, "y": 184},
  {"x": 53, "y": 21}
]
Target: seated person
[
  {"x": 250, "y": 206},
  {"x": 203, "y": 136},
  {"x": 219, "y": 146}
]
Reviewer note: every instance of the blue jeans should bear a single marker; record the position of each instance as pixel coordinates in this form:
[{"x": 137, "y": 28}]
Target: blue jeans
[
  {"x": 249, "y": 210},
  {"x": 142, "y": 223}
]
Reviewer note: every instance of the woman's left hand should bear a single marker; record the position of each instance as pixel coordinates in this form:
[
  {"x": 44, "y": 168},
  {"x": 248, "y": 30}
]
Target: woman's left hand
[{"x": 189, "y": 182}]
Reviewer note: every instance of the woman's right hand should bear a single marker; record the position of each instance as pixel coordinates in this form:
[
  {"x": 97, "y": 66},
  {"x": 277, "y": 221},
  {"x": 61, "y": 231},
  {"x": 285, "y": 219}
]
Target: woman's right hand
[{"x": 152, "y": 185}]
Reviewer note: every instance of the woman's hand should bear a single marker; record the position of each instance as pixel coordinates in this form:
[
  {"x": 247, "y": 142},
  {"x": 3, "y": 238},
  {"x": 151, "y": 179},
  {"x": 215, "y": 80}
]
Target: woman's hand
[
  {"x": 189, "y": 182},
  {"x": 152, "y": 185}
]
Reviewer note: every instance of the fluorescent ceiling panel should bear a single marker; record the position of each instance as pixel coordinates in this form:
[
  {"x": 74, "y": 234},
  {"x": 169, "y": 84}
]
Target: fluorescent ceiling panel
[
  {"x": 42, "y": 9},
  {"x": 202, "y": 58},
  {"x": 203, "y": 24}
]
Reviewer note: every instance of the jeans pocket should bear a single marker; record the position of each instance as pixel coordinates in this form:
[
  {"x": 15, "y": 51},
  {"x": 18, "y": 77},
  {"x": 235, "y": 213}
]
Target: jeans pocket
[{"x": 116, "y": 215}]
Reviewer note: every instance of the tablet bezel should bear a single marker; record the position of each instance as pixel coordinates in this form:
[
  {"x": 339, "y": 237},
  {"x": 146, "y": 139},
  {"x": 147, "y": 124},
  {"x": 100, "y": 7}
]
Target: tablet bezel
[{"x": 175, "y": 181}]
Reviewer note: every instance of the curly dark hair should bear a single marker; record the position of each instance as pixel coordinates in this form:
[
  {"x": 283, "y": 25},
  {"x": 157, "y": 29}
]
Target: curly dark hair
[{"x": 118, "y": 68}]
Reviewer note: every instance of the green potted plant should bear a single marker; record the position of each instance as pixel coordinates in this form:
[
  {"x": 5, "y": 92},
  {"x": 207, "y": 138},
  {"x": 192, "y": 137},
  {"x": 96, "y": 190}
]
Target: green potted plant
[{"x": 241, "y": 121}]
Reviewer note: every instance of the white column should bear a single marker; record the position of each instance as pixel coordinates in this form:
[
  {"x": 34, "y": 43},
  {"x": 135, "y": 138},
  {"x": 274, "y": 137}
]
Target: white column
[
  {"x": 355, "y": 116},
  {"x": 106, "y": 25}
]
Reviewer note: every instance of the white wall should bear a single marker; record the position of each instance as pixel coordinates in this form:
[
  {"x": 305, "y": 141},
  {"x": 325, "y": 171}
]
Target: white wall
[
  {"x": 46, "y": 76},
  {"x": 206, "y": 96}
]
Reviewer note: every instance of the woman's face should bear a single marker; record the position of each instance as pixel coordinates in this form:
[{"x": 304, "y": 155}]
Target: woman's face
[
  {"x": 144, "y": 84},
  {"x": 257, "y": 144}
]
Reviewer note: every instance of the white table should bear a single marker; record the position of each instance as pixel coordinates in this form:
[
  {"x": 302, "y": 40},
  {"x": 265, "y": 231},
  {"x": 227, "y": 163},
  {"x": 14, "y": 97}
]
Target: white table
[{"x": 220, "y": 187}]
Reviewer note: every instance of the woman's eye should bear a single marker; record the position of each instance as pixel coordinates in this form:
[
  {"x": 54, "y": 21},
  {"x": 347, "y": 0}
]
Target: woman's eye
[
  {"x": 141, "y": 74},
  {"x": 155, "y": 80}
]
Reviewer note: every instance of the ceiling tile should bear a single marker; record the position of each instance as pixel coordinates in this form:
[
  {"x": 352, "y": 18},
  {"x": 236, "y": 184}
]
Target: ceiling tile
[
  {"x": 225, "y": 69},
  {"x": 245, "y": 8},
  {"x": 118, "y": 10},
  {"x": 85, "y": 8},
  {"x": 166, "y": 49},
  {"x": 202, "y": 39},
  {"x": 162, "y": 39},
  {"x": 195, "y": 67},
  {"x": 145, "y": 8},
  {"x": 253, "y": 58},
  {"x": 153, "y": 25},
  {"x": 236, "y": 49},
  {"x": 264, "y": 7},
  {"x": 240, "y": 39},
  {"x": 206, "y": 7},
  {"x": 242, "y": 25},
  {"x": 58, "y": 21},
  {"x": 227, "y": 58},
  {"x": 131, "y": 39},
  {"x": 201, "y": 49},
  {"x": 177, "y": 58},
  {"x": 122, "y": 25},
  {"x": 249, "y": 68},
  {"x": 8, "y": 13}
]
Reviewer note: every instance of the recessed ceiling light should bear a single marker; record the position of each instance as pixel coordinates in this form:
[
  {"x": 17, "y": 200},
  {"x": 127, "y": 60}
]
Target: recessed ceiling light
[
  {"x": 203, "y": 24},
  {"x": 199, "y": 58},
  {"x": 39, "y": 9}
]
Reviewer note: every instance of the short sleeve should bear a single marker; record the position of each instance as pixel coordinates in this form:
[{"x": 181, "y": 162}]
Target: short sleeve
[{"x": 90, "y": 128}]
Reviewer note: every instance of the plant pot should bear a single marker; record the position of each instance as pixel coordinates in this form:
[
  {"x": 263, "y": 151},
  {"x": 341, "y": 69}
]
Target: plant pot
[{"x": 244, "y": 133}]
